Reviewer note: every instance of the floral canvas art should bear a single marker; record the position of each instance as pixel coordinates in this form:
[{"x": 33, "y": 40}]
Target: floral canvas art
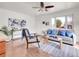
[{"x": 16, "y": 23}]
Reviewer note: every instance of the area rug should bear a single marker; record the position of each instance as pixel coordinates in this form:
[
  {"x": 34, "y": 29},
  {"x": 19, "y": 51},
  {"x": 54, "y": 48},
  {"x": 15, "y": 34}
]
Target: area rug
[{"x": 54, "y": 49}]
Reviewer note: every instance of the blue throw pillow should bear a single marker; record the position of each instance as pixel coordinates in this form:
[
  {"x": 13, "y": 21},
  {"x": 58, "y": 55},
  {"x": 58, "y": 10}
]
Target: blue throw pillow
[
  {"x": 49, "y": 32},
  {"x": 72, "y": 36},
  {"x": 62, "y": 32},
  {"x": 69, "y": 34},
  {"x": 54, "y": 32}
]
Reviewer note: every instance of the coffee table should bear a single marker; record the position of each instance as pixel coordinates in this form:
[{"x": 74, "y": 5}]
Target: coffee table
[
  {"x": 45, "y": 39},
  {"x": 60, "y": 41}
]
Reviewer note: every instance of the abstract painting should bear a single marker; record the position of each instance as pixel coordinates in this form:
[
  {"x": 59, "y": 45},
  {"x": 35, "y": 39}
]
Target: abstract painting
[{"x": 16, "y": 23}]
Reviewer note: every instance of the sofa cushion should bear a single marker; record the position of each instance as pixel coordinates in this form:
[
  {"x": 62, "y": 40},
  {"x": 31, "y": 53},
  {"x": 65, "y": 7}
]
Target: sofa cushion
[
  {"x": 52, "y": 32},
  {"x": 49, "y": 31},
  {"x": 69, "y": 34},
  {"x": 67, "y": 40},
  {"x": 62, "y": 32},
  {"x": 52, "y": 36}
]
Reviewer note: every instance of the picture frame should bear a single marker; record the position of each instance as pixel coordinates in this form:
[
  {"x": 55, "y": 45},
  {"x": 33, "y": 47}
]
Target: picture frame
[
  {"x": 16, "y": 23},
  {"x": 69, "y": 26}
]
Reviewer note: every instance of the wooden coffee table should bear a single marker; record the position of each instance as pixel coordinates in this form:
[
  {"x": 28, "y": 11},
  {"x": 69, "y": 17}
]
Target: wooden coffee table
[
  {"x": 60, "y": 41},
  {"x": 43, "y": 39}
]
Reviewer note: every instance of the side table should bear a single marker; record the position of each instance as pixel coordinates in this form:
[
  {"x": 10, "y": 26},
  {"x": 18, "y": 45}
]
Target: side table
[{"x": 2, "y": 46}]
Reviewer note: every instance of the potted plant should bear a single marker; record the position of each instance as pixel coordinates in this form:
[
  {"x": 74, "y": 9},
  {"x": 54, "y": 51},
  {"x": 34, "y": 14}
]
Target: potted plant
[
  {"x": 6, "y": 31},
  {"x": 58, "y": 23}
]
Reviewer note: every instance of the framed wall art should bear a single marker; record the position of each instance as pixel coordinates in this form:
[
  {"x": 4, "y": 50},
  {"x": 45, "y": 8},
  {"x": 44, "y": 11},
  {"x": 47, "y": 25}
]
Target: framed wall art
[{"x": 16, "y": 23}]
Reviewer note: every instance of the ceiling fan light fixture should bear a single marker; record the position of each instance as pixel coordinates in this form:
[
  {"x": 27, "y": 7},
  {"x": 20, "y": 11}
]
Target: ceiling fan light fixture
[{"x": 42, "y": 9}]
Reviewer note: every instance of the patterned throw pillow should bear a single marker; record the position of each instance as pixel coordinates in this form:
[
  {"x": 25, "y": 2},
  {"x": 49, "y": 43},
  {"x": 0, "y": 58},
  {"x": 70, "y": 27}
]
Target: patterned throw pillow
[
  {"x": 49, "y": 31},
  {"x": 69, "y": 34},
  {"x": 52, "y": 32},
  {"x": 62, "y": 32}
]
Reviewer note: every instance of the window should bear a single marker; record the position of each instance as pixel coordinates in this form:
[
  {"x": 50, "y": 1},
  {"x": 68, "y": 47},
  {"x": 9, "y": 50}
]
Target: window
[
  {"x": 62, "y": 22},
  {"x": 69, "y": 22},
  {"x": 53, "y": 22}
]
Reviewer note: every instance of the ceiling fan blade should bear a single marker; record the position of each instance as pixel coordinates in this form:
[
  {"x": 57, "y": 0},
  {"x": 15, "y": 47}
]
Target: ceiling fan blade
[
  {"x": 35, "y": 7},
  {"x": 42, "y": 4},
  {"x": 49, "y": 6}
]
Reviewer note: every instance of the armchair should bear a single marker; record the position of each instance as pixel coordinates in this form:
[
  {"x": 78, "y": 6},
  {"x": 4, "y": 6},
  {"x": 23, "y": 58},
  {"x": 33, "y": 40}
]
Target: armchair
[{"x": 30, "y": 38}]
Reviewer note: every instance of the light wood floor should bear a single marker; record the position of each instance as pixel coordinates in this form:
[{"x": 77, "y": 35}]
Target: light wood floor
[{"x": 18, "y": 49}]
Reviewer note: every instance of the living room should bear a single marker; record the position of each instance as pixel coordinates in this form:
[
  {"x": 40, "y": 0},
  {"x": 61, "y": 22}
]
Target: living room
[{"x": 58, "y": 20}]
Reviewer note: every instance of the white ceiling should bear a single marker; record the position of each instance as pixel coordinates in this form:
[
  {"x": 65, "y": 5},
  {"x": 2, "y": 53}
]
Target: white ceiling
[{"x": 26, "y": 7}]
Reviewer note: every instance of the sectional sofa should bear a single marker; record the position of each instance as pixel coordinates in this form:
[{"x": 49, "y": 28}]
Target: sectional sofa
[{"x": 67, "y": 36}]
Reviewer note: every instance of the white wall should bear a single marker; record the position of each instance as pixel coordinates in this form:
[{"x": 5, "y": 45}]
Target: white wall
[
  {"x": 5, "y": 14},
  {"x": 39, "y": 25},
  {"x": 47, "y": 17}
]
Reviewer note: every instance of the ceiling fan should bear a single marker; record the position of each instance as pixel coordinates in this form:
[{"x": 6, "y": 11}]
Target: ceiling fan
[{"x": 43, "y": 7}]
